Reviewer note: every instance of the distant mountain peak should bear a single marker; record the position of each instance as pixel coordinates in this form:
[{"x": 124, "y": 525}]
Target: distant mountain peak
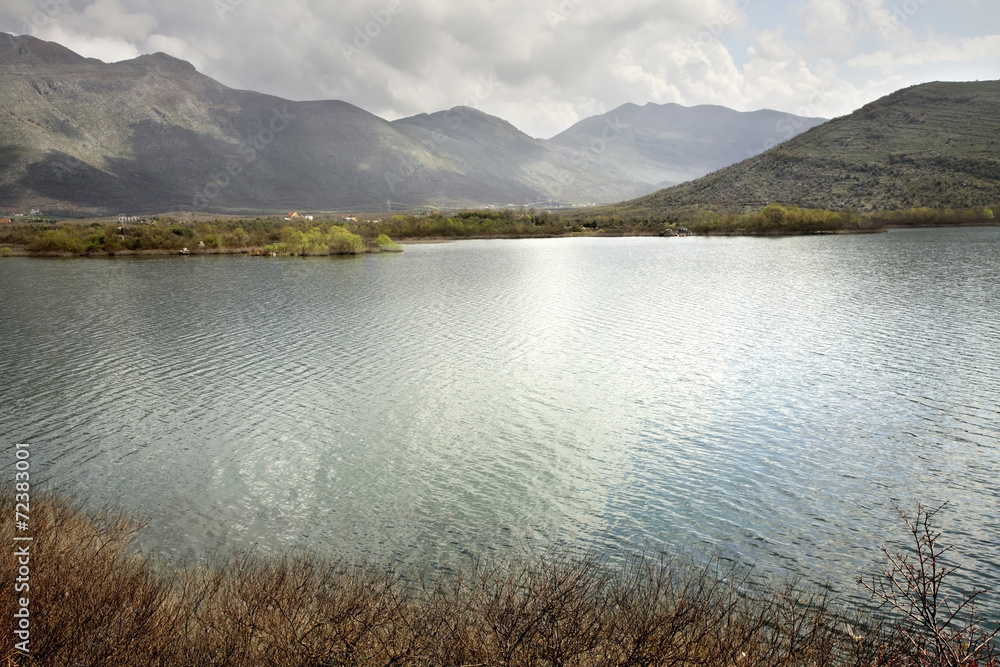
[
  {"x": 462, "y": 119},
  {"x": 162, "y": 60},
  {"x": 664, "y": 144}
]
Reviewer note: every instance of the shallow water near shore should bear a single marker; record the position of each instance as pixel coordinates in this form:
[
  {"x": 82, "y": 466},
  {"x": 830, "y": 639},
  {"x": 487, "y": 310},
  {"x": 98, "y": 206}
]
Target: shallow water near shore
[{"x": 764, "y": 399}]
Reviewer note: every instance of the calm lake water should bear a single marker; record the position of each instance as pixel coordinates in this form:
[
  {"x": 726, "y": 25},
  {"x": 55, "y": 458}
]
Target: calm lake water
[{"x": 763, "y": 399}]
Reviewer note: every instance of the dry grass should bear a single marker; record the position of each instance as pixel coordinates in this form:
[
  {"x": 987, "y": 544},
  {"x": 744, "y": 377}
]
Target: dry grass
[{"x": 94, "y": 601}]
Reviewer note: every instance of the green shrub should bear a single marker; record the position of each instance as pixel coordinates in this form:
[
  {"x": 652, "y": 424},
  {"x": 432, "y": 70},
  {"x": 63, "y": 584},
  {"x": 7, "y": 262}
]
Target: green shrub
[
  {"x": 239, "y": 238},
  {"x": 276, "y": 249},
  {"x": 212, "y": 240},
  {"x": 343, "y": 242},
  {"x": 386, "y": 244},
  {"x": 58, "y": 240}
]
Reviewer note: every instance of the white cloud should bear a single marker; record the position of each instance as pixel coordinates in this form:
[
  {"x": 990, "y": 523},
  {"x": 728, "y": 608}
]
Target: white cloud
[
  {"x": 932, "y": 52},
  {"x": 178, "y": 48},
  {"x": 556, "y": 61},
  {"x": 652, "y": 85},
  {"x": 104, "y": 29},
  {"x": 108, "y": 49},
  {"x": 110, "y": 18},
  {"x": 832, "y": 26}
]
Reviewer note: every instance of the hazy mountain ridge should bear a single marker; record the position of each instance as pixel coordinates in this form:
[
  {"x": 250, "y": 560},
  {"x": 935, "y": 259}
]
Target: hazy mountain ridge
[
  {"x": 934, "y": 145},
  {"x": 462, "y": 136},
  {"x": 665, "y": 144}
]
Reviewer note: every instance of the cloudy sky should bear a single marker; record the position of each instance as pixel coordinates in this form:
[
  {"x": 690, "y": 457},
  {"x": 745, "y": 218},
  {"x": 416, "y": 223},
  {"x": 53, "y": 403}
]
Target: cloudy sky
[{"x": 543, "y": 64}]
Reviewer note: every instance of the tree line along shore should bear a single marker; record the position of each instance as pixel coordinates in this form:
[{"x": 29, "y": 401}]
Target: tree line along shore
[{"x": 273, "y": 236}]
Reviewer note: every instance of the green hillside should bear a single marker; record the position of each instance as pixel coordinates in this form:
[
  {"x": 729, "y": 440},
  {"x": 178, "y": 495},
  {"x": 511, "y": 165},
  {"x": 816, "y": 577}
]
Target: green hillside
[{"x": 935, "y": 145}]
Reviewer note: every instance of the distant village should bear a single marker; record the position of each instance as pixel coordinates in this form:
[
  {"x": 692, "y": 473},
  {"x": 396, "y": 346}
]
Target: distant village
[
  {"x": 36, "y": 215},
  {"x": 7, "y": 221}
]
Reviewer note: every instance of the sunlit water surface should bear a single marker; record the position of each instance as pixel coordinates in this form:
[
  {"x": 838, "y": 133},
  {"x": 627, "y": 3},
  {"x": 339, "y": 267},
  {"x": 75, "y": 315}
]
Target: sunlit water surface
[{"x": 761, "y": 399}]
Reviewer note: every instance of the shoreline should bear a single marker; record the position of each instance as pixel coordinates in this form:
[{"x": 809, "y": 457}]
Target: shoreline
[{"x": 14, "y": 250}]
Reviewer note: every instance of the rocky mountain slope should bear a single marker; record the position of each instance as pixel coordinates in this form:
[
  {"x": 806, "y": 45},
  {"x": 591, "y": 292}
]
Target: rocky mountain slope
[{"x": 935, "y": 145}]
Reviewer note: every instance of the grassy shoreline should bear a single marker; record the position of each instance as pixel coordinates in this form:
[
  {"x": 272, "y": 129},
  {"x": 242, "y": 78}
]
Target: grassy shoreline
[
  {"x": 95, "y": 600},
  {"x": 166, "y": 236}
]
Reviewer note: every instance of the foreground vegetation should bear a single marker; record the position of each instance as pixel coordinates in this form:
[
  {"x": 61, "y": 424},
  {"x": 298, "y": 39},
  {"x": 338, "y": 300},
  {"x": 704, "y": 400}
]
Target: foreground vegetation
[
  {"x": 95, "y": 601},
  {"x": 275, "y": 236}
]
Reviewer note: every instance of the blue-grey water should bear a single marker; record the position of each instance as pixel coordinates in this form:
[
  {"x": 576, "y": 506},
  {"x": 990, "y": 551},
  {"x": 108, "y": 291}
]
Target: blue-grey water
[{"x": 762, "y": 399}]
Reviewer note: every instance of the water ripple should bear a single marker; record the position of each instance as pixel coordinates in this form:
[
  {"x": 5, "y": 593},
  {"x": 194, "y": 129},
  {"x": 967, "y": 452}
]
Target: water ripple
[{"x": 764, "y": 399}]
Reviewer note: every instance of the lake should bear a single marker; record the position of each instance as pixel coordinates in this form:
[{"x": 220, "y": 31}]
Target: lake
[{"x": 760, "y": 399}]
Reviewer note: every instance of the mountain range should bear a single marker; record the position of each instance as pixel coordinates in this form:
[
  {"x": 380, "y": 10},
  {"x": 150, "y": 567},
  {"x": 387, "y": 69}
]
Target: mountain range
[{"x": 152, "y": 134}]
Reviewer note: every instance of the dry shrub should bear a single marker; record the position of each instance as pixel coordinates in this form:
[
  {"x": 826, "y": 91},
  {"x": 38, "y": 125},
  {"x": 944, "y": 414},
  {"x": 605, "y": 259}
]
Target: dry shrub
[
  {"x": 93, "y": 600},
  {"x": 296, "y": 611},
  {"x": 96, "y": 602}
]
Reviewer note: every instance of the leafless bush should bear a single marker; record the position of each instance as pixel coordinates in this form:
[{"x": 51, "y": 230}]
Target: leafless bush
[{"x": 941, "y": 627}]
